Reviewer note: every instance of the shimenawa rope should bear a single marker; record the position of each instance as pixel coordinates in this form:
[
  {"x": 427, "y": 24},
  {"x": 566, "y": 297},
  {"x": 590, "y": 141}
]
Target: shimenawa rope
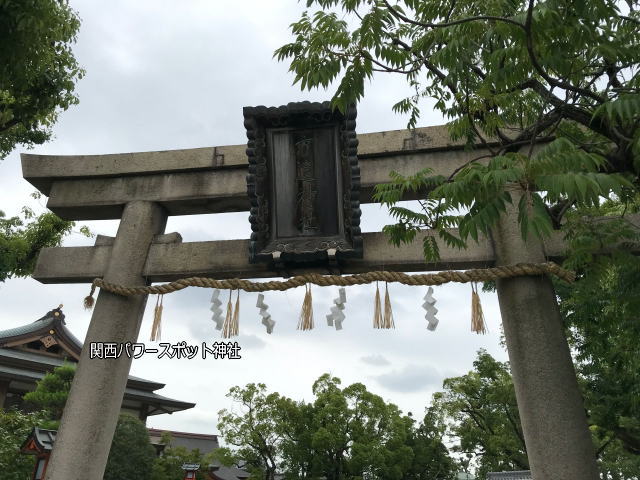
[{"x": 428, "y": 279}]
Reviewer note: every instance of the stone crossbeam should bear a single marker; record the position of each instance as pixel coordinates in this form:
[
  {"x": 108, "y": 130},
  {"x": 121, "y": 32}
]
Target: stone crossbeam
[
  {"x": 212, "y": 180},
  {"x": 229, "y": 259},
  {"x": 170, "y": 259}
]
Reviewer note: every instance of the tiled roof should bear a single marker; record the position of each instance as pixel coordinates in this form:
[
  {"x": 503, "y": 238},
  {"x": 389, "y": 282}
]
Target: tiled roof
[
  {"x": 169, "y": 405},
  {"x": 31, "y": 366},
  {"x": 53, "y": 319},
  {"x": 45, "y": 437},
  {"x": 32, "y": 360},
  {"x": 21, "y": 357},
  {"x": 166, "y": 404},
  {"x": 30, "y": 357},
  {"x": 206, "y": 443},
  {"x": 7, "y": 371},
  {"x": 519, "y": 475},
  {"x": 228, "y": 473},
  {"x": 39, "y": 324}
]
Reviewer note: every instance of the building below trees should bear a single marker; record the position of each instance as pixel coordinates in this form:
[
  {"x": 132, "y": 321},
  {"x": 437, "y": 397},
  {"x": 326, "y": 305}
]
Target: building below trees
[{"x": 32, "y": 350}]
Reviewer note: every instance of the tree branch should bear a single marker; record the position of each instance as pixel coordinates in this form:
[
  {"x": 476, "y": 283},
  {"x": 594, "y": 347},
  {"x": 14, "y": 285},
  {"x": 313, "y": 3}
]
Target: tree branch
[
  {"x": 534, "y": 61},
  {"x": 406, "y": 19},
  {"x": 386, "y": 68},
  {"x": 10, "y": 124},
  {"x": 630, "y": 19},
  {"x": 432, "y": 68}
]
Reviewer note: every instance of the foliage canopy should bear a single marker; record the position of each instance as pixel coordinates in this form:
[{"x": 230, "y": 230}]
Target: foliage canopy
[
  {"x": 600, "y": 312},
  {"x": 23, "y": 236},
  {"x": 15, "y": 426},
  {"x": 131, "y": 454},
  {"x": 37, "y": 69},
  {"x": 168, "y": 466},
  {"x": 344, "y": 433},
  {"x": 50, "y": 395},
  {"x": 38, "y": 72},
  {"x": 479, "y": 413},
  {"x": 547, "y": 92}
]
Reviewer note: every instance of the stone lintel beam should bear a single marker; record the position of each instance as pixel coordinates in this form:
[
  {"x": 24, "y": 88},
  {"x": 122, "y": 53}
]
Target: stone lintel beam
[
  {"x": 42, "y": 170},
  {"x": 213, "y": 180},
  {"x": 229, "y": 259}
]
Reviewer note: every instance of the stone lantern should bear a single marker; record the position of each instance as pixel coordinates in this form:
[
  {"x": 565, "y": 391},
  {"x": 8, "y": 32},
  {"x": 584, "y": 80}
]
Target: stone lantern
[
  {"x": 39, "y": 443},
  {"x": 190, "y": 470}
]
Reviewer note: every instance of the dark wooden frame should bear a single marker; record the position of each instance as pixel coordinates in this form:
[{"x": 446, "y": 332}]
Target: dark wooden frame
[{"x": 259, "y": 123}]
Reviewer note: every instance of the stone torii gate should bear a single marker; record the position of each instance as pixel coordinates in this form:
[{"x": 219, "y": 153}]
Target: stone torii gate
[{"x": 143, "y": 189}]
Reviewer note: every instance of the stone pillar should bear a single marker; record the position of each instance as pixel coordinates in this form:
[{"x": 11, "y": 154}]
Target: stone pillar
[
  {"x": 91, "y": 413},
  {"x": 551, "y": 406}
]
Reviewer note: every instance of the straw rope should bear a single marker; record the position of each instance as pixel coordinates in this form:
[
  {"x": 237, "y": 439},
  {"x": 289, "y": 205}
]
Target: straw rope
[{"x": 429, "y": 279}]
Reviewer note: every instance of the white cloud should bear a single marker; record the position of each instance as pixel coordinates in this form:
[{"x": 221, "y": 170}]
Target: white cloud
[
  {"x": 375, "y": 360},
  {"x": 411, "y": 378}
]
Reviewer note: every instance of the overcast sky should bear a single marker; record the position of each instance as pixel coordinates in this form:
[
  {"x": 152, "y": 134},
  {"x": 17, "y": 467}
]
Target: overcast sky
[{"x": 167, "y": 75}]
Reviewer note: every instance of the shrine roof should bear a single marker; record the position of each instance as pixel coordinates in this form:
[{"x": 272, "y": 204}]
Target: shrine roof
[
  {"x": 36, "y": 361},
  {"x": 51, "y": 321},
  {"x": 228, "y": 473},
  {"x": 18, "y": 373},
  {"x": 161, "y": 403},
  {"x": 30, "y": 365},
  {"x": 33, "y": 360},
  {"x": 206, "y": 443}
]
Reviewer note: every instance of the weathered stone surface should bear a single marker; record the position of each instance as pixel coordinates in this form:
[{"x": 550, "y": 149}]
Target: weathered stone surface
[
  {"x": 91, "y": 412},
  {"x": 229, "y": 259},
  {"x": 212, "y": 179},
  {"x": 551, "y": 408},
  {"x": 42, "y": 170},
  {"x": 212, "y": 190}
]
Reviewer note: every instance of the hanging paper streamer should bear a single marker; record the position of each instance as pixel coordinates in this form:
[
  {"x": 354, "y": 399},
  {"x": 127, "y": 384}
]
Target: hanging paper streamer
[
  {"x": 336, "y": 317},
  {"x": 216, "y": 305},
  {"x": 267, "y": 321},
  {"x": 157, "y": 319},
  {"x": 231, "y": 327},
  {"x": 377, "y": 309},
  {"x": 306, "y": 314},
  {"x": 429, "y": 306},
  {"x": 477, "y": 317}
]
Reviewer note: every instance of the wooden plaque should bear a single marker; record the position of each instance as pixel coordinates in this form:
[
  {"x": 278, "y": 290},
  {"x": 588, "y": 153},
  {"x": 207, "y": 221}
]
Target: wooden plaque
[{"x": 303, "y": 183}]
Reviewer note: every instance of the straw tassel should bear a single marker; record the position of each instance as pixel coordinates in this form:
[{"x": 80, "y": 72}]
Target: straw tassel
[
  {"x": 235, "y": 323},
  {"x": 88, "y": 300},
  {"x": 157, "y": 320},
  {"x": 230, "y": 326},
  {"x": 478, "y": 324},
  {"x": 388, "y": 312},
  {"x": 377, "y": 309},
  {"x": 306, "y": 314}
]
